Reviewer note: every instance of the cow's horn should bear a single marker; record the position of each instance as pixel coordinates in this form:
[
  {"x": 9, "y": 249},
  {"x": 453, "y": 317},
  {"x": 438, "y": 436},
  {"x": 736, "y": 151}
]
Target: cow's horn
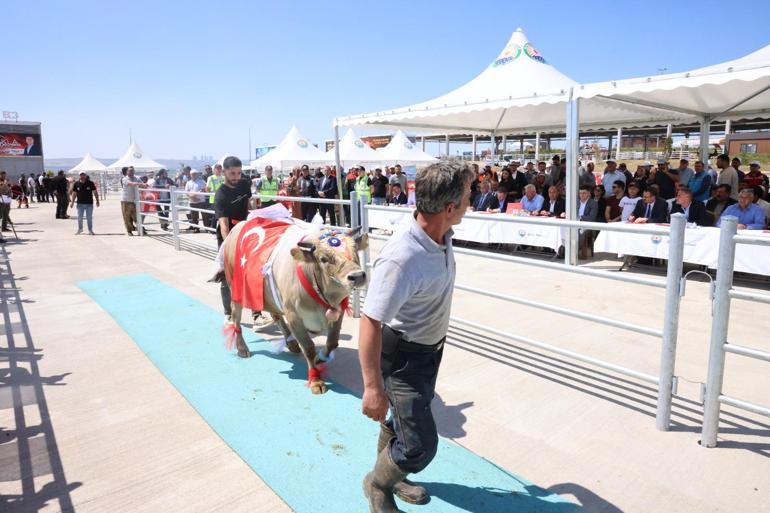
[
  {"x": 354, "y": 232},
  {"x": 306, "y": 246}
]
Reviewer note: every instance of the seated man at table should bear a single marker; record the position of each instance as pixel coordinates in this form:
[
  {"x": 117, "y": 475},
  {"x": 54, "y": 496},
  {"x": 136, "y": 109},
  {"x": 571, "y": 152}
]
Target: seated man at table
[
  {"x": 651, "y": 209},
  {"x": 500, "y": 203},
  {"x": 532, "y": 202},
  {"x": 397, "y": 196},
  {"x": 587, "y": 207},
  {"x": 721, "y": 200},
  {"x": 750, "y": 216},
  {"x": 694, "y": 210},
  {"x": 553, "y": 206},
  {"x": 485, "y": 197}
]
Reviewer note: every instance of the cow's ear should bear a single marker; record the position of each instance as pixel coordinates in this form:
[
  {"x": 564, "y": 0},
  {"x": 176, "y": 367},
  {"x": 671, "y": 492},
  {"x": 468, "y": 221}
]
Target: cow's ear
[
  {"x": 362, "y": 242},
  {"x": 303, "y": 252},
  {"x": 353, "y": 232}
]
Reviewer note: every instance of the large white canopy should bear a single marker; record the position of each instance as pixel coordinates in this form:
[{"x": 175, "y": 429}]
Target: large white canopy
[
  {"x": 519, "y": 92},
  {"x": 354, "y": 151},
  {"x": 88, "y": 164},
  {"x": 402, "y": 151},
  {"x": 135, "y": 157},
  {"x": 293, "y": 150}
]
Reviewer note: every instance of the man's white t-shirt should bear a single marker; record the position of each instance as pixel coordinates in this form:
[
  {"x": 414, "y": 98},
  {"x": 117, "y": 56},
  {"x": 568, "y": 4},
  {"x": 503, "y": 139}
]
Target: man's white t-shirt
[{"x": 628, "y": 205}]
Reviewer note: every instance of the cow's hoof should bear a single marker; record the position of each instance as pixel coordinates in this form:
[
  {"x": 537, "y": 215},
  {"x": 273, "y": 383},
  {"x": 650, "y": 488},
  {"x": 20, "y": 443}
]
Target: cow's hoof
[
  {"x": 318, "y": 387},
  {"x": 293, "y": 346},
  {"x": 244, "y": 353}
]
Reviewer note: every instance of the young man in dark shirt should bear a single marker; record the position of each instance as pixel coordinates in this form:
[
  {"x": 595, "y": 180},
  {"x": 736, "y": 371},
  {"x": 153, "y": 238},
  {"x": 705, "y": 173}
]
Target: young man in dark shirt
[
  {"x": 379, "y": 187},
  {"x": 85, "y": 192},
  {"x": 231, "y": 206}
]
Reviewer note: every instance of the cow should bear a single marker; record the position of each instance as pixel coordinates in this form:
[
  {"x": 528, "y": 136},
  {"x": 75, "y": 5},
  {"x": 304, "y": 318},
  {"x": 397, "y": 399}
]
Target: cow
[{"x": 313, "y": 279}]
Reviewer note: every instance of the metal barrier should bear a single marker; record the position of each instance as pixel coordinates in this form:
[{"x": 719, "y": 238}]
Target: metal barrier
[
  {"x": 665, "y": 380},
  {"x": 724, "y": 293}
]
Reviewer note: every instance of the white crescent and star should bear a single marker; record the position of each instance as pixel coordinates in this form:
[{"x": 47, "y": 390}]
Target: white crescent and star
[{"x": 260, "y": 232}]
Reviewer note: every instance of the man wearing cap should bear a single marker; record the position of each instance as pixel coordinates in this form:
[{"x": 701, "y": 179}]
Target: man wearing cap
[
  {"x": 665, "y": 178},
  {"x": 700, "y": 183},
  {"x": 755, "y": 176},
  {"x": 727, "y": 175},
  {"x": 611, "y": 175}
]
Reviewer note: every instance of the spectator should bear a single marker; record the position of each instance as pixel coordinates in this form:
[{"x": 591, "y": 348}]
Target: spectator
[
  {"x": 700, "y": 183},
  {"x": 587, "y": 176},
  {"x": 651, "y": 210},
  {"x": 530, "y": 172},
  {"x": 60, "y": 186},
  {"x": 666, "y": 180},
  {"x": 507, "y": 183},
  {"x": 397, "y": 196},
  {"x": 611, "y": 175},
  {"x": 532, "y": 202},
  {"x": 327, "y": 190},
  {"x": 728, "y": 175},
  {"x": 601, "y": 203},
  {"x": 587, "y": 207},
  {"x": 554, "y": 170},
  {"x": 694, "y": 210},
  {"x": 207, "y": 173},
  {"x": 764, "y": 205},
  {"x": 554, "y": 205},
  {"x": 541, "y": 183},
  {"x": 500, "y": 203},
  {"x": 184, "y": 175},
  {"x": 213, "y": 182},
  {"x": 40, "y": 188},
  {"x": 131, "y": 185},
  {"x": 624, "y": 169},
  {"x": 398, "y": 177},
  {"x": 755, "y": 176},
  {"x": 267, "y": 184},
  {"x": 518, "y": 181},
  {"x": 750, "y": 216},
  {"x": 197, "y": 201},
  {"x": 612, "y": 210},
  {"x": 24, "y": 189},
  {"x": 629, "y": 201},
  {"x": 162, "y": 181},
  {"x": 379, "y": 187},
  {"x": 477, "y": 178},
  {"x": 484, "y": 199},
  {"x": 84, "y": 190},
  {"x": 363, "y": 185},
  {"x": 31, "y": 189},
  {"x": 5, "y": 202},
  {"x": 721, "y": 200},
  {"x": 48, "y": 186},
  {"x": 307, "y": 189},
  {"x": 685, "y": 172},
  {"x": 640, "y": 178},
  {"x": 736, "y": 164}
]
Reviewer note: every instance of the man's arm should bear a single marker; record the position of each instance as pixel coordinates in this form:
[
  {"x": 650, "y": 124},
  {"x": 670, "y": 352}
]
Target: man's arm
[
  {"x": 375, "y": 403},
  {"x": 224, "y": 228},
  {"x": 72, "y": 197},
  {"x": 96, "y": 196}
]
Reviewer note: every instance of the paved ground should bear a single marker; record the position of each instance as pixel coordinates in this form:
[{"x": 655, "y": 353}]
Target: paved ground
[{"x": 91, "y": 425}]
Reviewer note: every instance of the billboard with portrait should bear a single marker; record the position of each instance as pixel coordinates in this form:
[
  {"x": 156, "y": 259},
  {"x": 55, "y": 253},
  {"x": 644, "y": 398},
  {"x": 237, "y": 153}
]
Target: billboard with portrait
[{"x": 20, "y": 145}]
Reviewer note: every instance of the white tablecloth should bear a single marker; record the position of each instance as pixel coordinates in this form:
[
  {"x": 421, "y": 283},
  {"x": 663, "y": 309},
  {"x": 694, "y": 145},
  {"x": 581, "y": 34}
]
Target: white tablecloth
[
  {"x": 701, "y": 246},
  {"x": 486, "y": 231}
]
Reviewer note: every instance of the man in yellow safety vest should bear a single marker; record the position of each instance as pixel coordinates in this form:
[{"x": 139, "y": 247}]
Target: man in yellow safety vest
[{"x": 268, "y": 186}]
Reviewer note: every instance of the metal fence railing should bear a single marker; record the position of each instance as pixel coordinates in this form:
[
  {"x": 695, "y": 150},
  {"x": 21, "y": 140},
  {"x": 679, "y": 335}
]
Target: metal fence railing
[
  {"x": 724, "y": 293},
  {"x": 667, "y": 333}
]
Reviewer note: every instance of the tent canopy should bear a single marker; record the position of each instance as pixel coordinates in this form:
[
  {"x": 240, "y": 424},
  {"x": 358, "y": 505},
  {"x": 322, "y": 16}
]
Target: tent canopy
[
  {"x": 293, "y": 150},
  {"x": 88, "y": 164},
  {"x": 135, "y": 157},
  {"x": 400, "y": 150},
  {"x": 354, "y": 151}
]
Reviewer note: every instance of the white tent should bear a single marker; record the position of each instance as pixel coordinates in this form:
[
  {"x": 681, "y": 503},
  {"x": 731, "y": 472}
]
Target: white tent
[
  {"x": 402, "y": 151},
  {"x": 354, "y": 151},
  {"x": 88, "y": 164},
  {"x": 134, "y": 156},
  {"x": 293, "y": 150}
]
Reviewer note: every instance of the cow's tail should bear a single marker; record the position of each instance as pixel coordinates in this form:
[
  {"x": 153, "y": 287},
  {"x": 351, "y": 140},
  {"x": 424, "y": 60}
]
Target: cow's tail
[{"x": 231, "y": 332}]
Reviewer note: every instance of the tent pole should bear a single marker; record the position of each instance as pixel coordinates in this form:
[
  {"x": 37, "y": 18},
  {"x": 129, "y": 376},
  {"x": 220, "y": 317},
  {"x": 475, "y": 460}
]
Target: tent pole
[
  {"x": 572, "y": 150},
  {"x": 537, "y": 147},
  {"x": 504, "y": 144},
  {"x": 422, "y": 141},
  {"x": 339, "y": 168},
  {"x": 447, "y": 144},
  {"x": 705, "y": 131},
  {"x": 617, "y": 148},
  {"x": 493, "y": 140},
  {"x": 728, "y": 127},
  {"x": 521, "y": 145},
  {"x": 474, "y": 148}
]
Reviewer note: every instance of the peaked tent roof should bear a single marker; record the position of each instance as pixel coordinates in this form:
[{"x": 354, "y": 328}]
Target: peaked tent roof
[
  {"x": 293, "y": 150},
  {"x": 400, "y": 150},
  {"x": 134, "y": 156},
  {"x": 354, "y": 151},
  {"x": 519, "y": 92},
  {"x": 89, "y": 163}
]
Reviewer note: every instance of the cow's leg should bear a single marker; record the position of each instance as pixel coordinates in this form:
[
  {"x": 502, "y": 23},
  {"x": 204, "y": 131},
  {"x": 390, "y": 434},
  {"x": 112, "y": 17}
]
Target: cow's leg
[
  {"x": 332, "y": 339},
  {"x": 315, "y": 382},
  {"x": 240, "y": 344},
  {"x": 291, "y": 342}
]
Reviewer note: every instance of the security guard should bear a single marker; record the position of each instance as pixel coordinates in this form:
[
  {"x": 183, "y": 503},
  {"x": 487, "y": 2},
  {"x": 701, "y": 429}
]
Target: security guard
[
  {"x": 364, "y": 185},
  {"x": 268, "y": 186}
]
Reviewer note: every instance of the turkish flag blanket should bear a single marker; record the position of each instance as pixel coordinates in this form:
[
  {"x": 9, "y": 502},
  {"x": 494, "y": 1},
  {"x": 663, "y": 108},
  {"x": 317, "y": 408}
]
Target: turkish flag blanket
[{"x": 256, "y": 242}]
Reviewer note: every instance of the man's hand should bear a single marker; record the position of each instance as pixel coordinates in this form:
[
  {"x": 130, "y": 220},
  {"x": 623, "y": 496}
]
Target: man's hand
[
  {"x": 97, "y": 203},
  {"x": 741, "y": 226},
  {"x": 375, "y": 404},
  {"x": 72, "y": 204}
]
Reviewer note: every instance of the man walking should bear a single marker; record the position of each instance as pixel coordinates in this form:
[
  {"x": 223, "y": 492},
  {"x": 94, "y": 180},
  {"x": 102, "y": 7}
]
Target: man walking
[
  {"x": 60, "y": 187},
  {"x": 402, "y": 334},
  {"x": 85, "y": 192},
  {"x": 328, "y": 190},
  {"x": 128, "y": 196}
]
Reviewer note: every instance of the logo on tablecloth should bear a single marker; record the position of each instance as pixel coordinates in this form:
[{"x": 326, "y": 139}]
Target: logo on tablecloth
[
  {"x": 532, "y": 53},
  {"x": 522, "y": 233},
  {"x": 302, "y": 143},
  {"x": 656, "y": 239},
  {"x": 509, "y": 54}
]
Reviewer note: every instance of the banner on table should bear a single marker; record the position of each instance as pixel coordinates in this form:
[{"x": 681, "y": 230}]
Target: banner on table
[{"x": 20, "y": 145}]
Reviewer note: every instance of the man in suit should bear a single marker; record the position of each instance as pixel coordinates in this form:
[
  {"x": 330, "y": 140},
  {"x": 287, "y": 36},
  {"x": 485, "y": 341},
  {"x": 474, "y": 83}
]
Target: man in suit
[
  {"x": 588, "y": 210},
  {"x": 694, "y": 210},
  {"x": 328, "y": 190},
  {"x": 554, "y": 205},
  {"x": 651, "y": 209},
  {"x": 500, "y": 202},
  {"x": 519, "y": 179},
  {"x": 484, "y": 199},
  {"x": 31, "y": 149},
  {"x": 397, "y": 196},
  {"x": 719, "y": 203}
]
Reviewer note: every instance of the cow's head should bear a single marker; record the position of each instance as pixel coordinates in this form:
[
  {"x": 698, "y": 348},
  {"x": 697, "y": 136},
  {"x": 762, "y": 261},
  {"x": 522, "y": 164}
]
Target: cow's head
[{"x": 333, "y": 256}]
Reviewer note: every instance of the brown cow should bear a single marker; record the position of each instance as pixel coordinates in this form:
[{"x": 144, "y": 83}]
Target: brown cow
[{"x": 331, "y": 268}]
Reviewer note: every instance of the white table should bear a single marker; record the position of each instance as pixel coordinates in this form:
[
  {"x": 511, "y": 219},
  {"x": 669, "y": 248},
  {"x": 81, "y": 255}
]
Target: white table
[
  {"x": 701, "y": 246},
  {"x": 490, "y": 230}
]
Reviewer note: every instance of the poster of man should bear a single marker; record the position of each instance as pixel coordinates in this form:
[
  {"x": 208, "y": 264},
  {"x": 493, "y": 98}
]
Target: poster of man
[{"x": 20, "y": 145}]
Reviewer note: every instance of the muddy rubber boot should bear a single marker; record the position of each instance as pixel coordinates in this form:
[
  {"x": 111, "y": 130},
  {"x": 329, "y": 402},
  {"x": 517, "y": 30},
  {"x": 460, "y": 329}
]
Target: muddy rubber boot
[
  {"x": 378, "y": 484},
  {"x": 405, "y": 489}
]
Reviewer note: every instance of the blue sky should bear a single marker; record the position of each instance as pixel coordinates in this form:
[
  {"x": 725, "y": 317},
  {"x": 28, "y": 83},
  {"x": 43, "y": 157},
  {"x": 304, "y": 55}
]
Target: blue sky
[{"x": 191, "y": 77}]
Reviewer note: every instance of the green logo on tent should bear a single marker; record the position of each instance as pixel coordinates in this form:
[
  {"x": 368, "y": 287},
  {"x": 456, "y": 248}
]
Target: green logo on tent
[
  {"x": 302, "y": 143},
  {"x": 137, "y": 155},
  {"x": 532, "y": 53},
  {"x": 359, "y": 144},
  {"x": 408, "y": 145},
  {"x": 509, "y": 54}
]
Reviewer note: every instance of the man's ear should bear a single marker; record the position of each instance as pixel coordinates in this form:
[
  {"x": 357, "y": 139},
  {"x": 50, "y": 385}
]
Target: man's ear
[{"x": 304, "y": 252}]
